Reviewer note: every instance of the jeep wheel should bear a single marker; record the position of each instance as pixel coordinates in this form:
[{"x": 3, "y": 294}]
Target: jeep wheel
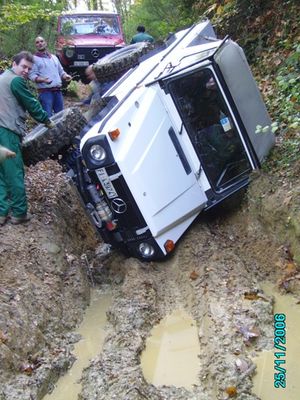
[
  {"x": 42, "y": 142},
  {"x": 114, "y": 65}
]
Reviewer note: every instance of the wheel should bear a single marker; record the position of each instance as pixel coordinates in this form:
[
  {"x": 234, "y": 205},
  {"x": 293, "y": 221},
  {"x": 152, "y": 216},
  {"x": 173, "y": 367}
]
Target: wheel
[
  {"x": 112, "y": 66},
  {"x": 42, "y": 142}
]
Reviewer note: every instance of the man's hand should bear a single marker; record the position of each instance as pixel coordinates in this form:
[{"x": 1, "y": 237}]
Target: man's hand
[
  {"x": 41, "y": 79},
  {"x": 49, "y": 124},
  {"x": 67, "y": 77},
  {"x": 47, "y": 80}
]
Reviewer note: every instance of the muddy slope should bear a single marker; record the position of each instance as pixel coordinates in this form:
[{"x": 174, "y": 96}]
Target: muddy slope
[
  {"x": 44, "y": 286},
  {"x": 47, "y": 268},
  {"x": 215, "y": 276}
]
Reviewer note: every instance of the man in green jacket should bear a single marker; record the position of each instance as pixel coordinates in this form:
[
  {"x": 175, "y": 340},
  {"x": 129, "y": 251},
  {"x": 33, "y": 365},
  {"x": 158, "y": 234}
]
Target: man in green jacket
[
  {"x": 141, "y": 36},
  {"x": 15, "y": 100}
]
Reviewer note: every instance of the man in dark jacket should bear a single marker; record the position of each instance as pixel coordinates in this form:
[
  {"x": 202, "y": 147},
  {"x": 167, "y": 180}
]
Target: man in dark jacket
[
  {"x": 15, "y": 100},
  {"x": 141, "y": 36}
]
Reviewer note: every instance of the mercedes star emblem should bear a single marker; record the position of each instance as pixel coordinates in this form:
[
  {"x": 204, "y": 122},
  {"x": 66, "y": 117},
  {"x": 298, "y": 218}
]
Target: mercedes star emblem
[
  {"x": 118, "y": 205},
  {"x": 95, "y": 53}
]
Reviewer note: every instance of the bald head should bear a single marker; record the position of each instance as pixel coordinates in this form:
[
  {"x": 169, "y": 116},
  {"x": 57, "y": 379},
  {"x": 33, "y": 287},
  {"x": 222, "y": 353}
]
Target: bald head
[{"x": 40, "y": 43}]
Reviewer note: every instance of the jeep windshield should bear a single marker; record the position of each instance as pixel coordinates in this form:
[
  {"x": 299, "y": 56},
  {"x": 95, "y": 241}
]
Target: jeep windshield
[{"x": 89, "y": 24}]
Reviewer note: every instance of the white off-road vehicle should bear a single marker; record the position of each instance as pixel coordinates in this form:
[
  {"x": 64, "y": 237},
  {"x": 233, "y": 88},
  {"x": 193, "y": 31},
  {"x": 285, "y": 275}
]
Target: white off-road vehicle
[{"x": 178, "y": 136}]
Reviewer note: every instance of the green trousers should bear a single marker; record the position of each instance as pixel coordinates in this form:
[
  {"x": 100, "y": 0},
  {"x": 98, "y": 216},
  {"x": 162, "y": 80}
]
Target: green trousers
[{"x": 12, "y": 186}]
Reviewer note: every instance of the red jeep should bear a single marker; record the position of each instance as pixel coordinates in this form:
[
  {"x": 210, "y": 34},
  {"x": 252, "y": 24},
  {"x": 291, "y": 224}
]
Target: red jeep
[{"x": 85, "y": 37}]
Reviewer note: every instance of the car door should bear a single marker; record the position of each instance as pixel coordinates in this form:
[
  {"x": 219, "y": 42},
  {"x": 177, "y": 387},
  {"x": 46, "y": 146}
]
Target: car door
[
  {"x": 235, "y": 72},
  {"x": 220, "y": 106},
  {"x": 212, "y": 127}
]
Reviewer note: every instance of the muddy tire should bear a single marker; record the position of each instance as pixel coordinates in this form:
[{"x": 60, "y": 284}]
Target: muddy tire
[
  {"x": 41, "y": 142},
  {"x": 114, "y": 65}
]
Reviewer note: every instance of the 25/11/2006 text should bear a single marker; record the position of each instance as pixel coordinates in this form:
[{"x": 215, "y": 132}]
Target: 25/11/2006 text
[{"x": 279, "y": 344}]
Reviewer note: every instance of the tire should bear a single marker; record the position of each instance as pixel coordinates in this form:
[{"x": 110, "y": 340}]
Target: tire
[
  {"x": 112, "y": 66},
  {"x": 42, "y": 142}
]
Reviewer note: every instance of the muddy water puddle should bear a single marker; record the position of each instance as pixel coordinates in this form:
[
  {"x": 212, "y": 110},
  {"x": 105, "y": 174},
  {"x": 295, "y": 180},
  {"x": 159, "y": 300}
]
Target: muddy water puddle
[
  {"x": 93, "y": 334},
  {"x": 171, "y": 353},
  {"x": 266, "y": 362}
]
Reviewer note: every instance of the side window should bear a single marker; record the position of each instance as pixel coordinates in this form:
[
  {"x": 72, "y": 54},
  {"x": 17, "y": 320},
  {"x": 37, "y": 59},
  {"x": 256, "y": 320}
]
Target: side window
[{"x": 210, "y": 127}]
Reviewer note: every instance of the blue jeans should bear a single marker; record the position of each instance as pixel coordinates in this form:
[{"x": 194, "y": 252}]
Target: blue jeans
[{"x": 52, "y": 102}]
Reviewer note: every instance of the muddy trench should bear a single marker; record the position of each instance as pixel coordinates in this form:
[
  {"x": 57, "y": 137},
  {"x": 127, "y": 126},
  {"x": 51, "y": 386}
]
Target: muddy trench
[{"x": 216, "y": 277}]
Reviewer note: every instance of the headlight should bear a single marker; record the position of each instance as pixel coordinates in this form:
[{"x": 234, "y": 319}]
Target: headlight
[
  {"x": 146, "y": 250},
  {"x": 97, "y": 152},
  {"x": 69, "y": 52}
]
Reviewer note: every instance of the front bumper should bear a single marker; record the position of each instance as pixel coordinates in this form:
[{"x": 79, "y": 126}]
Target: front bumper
[{"x": 127, "y": 229}]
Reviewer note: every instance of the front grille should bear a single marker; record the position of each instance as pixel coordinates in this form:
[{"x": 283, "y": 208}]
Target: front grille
[
  {"x": 132, "y": 217},
  {"x": 92, "y": 53}
]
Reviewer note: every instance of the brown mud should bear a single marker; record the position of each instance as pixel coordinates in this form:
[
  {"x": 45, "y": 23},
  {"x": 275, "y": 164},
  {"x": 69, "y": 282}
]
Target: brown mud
[{"x": 216, "y": 276}]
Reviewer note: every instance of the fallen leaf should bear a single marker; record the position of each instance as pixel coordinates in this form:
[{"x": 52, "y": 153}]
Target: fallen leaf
[
  {"x": 290, "y": 267},
  {"x": 231, "y": 391},
  {"x": 249, "y": 333},
  {"x": 3, "y": 338},
  {"x": 27, "y": 368},
  {"x": 241, "y": 365},
  {"x": 254, "y": 296},
  {"x": 251, "y": 296},
  {"x": 194, "y": 275}
]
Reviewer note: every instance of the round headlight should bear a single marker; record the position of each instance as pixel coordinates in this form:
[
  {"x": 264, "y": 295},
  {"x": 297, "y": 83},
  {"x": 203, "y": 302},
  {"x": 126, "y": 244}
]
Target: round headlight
[
  {"x": 146, "y": 250},
  {"x": 69, "y": 52},
  {"x": 97, "y": 152}
]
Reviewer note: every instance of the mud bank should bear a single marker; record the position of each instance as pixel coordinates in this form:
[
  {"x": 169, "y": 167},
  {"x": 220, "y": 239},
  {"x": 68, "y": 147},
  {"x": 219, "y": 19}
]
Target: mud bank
[
  {"x": 44, "y": 286},
  {"x": 215, "y": 276}
]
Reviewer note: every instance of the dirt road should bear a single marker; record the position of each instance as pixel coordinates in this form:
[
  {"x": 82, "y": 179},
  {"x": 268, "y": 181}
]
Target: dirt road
[{"x": 215, "y": 275}]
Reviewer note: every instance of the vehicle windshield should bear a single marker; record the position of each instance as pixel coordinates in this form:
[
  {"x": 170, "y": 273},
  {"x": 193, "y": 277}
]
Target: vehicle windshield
[
  {"x": 89, "y": 24},
  {"x": 212, "y": 130}
]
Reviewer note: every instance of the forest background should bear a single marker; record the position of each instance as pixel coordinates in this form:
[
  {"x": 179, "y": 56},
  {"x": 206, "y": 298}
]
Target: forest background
[{"x": 268, "y": 31}]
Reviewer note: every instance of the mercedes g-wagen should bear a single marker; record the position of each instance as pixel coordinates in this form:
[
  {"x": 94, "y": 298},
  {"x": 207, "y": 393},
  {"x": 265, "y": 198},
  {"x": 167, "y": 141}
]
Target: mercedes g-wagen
[
  {"x": 85, "y": 37},
  {"x": 177, "y": 137}
]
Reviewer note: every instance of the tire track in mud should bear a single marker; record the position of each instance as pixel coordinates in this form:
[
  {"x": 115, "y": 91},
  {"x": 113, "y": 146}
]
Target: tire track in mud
[{"x": 211, "y": 282}]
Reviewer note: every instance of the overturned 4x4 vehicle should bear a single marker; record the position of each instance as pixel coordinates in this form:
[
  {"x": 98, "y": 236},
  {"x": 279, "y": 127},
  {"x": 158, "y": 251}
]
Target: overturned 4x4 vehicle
[{"x": 177, "y": 137}]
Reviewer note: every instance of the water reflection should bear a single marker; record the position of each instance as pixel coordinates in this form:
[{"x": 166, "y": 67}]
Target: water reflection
[
  {"x": 171, "y": 354},
  {"x": 93, "y": 334}
]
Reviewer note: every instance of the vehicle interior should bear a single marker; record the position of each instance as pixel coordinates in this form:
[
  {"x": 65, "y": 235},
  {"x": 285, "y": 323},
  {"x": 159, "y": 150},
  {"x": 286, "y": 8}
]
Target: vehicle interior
[{"x": 210, "y": 126}]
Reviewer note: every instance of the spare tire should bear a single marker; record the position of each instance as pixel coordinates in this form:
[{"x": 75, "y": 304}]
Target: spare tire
[
  {"x": 112, "y": 66},
  {"x": 42, "y": 142}
]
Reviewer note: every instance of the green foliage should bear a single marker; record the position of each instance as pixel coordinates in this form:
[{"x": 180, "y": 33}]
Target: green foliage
[
  {"x": 4, "y": 64},
  {"x": 26, "y": 20},
  {"x": 160, "y": 18},
  {"x": 288, "y": 94},
  {"x": 14, "y": 15},
  {"x": 72, "y": 90},
  {"x": 284, "y": 159},
  {"x": 284, "y": 104}
]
